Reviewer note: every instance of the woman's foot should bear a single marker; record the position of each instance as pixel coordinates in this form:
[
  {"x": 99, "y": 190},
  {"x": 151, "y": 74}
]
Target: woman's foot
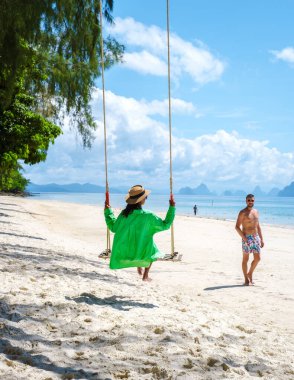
[
  {"x": 139, "y": 270},
  {"x": 147, "y": 279},
  {"x": 145, "y": 275}
]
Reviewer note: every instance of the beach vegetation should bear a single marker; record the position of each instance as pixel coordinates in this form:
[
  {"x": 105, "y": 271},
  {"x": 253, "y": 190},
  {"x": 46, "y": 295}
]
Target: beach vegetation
[
  {"x": 55, "y": 47},
  {"x": 25, "y": 137},
  {"x": 49, "y": 60}
]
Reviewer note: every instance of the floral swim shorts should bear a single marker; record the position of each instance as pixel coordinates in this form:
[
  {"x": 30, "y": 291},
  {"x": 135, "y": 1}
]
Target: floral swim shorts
[{"x": 252, "y": 245}]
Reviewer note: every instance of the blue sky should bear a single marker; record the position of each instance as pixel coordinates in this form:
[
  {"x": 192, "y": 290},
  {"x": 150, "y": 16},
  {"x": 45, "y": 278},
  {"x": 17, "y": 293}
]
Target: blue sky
[{"x": 232, "y": 87}]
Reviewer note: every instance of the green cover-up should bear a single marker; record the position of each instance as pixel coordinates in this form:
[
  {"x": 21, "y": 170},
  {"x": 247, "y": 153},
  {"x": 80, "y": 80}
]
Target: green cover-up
[{"x": 133, "y": 244}]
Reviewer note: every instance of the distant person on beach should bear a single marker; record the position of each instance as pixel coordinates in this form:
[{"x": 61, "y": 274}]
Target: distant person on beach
[
  {"x": 133, "y": 244},
  {"x": 195, "y": 209},
  {"x": 248, "y": 228}
]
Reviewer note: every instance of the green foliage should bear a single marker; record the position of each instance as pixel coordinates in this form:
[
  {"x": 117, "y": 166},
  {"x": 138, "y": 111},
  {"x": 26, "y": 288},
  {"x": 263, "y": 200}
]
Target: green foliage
[
  {"x": 11, "y": 179},
  {"x": 24, "y": 132},
  {"x": 49, "y": 59},
  {"x": 25, "y": 135},
  {"x": 54, "y": 45}
]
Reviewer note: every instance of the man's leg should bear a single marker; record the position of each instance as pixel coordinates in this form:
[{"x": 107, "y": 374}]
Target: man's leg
[
  {"x": 256, "y": 260},
  {"x": 145, "y": 275},
  {"x": 244, "y": 267}
]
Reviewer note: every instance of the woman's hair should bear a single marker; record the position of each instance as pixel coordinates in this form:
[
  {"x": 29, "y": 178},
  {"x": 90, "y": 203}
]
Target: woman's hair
[{"x": 130, "y": 208}]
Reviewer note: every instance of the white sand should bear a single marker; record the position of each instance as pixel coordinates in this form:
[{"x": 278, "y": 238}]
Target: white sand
[{"x": 64, "y": 314}]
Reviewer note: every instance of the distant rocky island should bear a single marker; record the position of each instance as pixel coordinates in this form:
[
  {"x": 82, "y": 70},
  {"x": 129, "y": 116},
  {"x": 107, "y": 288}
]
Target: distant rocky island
[
  {"x": 202, "y": 189},
  {"x": 288, "y": 191}
]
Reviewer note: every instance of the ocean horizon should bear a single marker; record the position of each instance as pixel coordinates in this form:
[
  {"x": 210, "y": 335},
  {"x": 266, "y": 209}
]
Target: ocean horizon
[{"x": 278, "y": 211}]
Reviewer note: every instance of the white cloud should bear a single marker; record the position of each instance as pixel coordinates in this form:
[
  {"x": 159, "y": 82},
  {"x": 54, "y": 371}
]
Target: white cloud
[
  {"x": 226, "y": 160},
  {"x": 179, "y": 106},
  {"x": 146, "y": 63},
  {"x": 149, "y": 52},
  {"x": 137, "y": 34},
  {"x": 138, "y": 151},
  {"x": 286, "y": 54}
]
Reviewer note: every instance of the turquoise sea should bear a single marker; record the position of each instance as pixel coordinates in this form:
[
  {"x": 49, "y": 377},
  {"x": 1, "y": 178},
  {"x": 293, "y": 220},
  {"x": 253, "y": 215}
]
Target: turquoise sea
[{"x": 273, "y": 210}]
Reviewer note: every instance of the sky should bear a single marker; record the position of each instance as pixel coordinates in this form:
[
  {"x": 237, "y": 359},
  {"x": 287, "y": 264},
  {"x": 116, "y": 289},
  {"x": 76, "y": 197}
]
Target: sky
[{"x": 232, "y": 87}]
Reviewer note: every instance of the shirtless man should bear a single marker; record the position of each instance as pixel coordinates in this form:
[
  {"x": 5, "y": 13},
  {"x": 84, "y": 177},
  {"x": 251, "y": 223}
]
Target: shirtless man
[{"x": 248, "y": 228}]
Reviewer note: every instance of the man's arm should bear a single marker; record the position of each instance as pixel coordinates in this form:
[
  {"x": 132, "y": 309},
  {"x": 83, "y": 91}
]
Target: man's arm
[
  {"x": 238, "y": 226},
  {"x": 260, "y": 235}
]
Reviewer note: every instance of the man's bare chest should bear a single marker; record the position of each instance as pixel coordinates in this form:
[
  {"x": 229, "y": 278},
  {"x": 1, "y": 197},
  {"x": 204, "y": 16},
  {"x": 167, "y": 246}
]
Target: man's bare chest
[{"x": 250, "y": 218}]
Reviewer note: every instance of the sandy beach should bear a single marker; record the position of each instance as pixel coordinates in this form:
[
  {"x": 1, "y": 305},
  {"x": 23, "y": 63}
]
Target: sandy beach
[{"x": 65, "y": 315}]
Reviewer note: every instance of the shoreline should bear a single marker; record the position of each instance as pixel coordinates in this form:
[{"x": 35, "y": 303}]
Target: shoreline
[
  {"x": 65, "y": 313},
  {"x": 179, "y": 213}
]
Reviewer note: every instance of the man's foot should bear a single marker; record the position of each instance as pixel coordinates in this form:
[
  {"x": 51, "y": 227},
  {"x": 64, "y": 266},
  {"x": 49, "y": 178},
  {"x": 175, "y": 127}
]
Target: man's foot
[
  {"x": 249, "y": 275},
  {"x": 139, "y": 270}
]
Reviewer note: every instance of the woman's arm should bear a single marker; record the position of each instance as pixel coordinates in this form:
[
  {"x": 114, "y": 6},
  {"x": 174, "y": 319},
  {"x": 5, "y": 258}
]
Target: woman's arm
[
  {"x": 110, "y": 219},
  {"x": 157, "y": 224}
]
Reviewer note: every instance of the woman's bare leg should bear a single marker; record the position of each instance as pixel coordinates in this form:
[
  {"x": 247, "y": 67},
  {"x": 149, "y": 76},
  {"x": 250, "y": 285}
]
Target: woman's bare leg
[{"x": 146, "y": 272}]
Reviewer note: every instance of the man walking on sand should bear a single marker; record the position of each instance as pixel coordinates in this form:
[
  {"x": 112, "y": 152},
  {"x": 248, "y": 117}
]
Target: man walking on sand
[
  {"x": 195, "y": 209},
  {"x": 248, "y": 228}
]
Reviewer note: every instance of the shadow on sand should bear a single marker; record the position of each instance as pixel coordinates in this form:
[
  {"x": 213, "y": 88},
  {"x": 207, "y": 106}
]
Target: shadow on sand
[
  {"x": 226, "y": 287},
  {"x": 5, "y": 215},
  {"x": 21, "y": 355},
  {"x": 7, "y": 204},
  {"x": 22, "y": 236},
  {"x": 54, "y": 262},
  {"x": 113, "y": 301},
  {"x": 19, "y": 211},
  {"x": 16, "y": 352}
]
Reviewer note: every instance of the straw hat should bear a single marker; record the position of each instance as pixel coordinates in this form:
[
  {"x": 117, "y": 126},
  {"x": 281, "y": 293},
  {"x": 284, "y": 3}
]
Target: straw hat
[{"x": 136, "y": 194}]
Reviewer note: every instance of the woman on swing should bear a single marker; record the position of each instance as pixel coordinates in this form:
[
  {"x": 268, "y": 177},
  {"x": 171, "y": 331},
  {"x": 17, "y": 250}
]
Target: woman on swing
[{"x": 133, "y": 244}]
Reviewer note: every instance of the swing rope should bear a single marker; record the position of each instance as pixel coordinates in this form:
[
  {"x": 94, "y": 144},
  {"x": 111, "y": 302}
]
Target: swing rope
[
  {"x": 107, "y": 252},
  {"x": 170, "y": 125}
]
